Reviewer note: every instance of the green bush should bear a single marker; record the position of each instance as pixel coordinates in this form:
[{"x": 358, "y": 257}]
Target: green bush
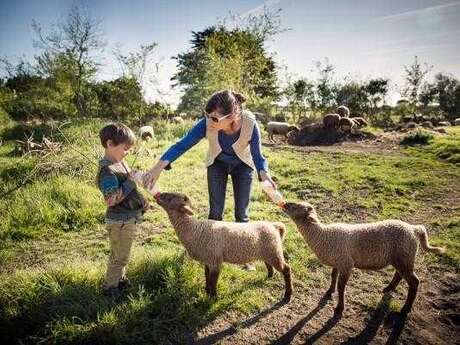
[{"x": 417, "y": 138}]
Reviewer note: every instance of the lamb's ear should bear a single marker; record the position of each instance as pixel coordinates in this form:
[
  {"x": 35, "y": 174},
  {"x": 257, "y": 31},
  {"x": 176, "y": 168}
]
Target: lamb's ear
[{"x": 187, "y": 210}]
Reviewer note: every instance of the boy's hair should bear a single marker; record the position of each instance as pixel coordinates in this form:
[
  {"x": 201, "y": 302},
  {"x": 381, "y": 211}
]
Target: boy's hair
[{"x": 118, "y": 133}]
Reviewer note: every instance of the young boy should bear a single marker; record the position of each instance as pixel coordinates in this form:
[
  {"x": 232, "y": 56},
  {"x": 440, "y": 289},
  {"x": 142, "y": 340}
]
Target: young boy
[{"x": 125, "y": 204}]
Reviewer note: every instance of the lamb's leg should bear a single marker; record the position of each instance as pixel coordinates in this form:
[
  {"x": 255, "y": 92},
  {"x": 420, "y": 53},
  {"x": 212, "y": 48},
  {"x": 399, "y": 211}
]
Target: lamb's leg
[
  {"x": 413, "y": 282},
  {"x": 269, "y": 269},
  {"x": 394, "y": 283},
  {"x": 206, "y": 274},
  {"x": 331, "y": 289},
  {"x": 343, "y": 279},
  {"x": 288, "y": 282},
  {"x": 281, "y": 266},
  {"x": 213, "y": 277}
]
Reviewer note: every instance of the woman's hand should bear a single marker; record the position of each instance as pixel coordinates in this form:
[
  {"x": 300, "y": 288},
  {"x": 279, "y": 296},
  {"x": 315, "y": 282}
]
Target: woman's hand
[
  {"x": 266, "y": 177},
  {"x": 151, "y": 176}
]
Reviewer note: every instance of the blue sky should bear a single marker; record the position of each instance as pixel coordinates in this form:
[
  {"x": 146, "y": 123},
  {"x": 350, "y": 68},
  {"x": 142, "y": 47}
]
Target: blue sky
[{"x": 364, "y": 38}]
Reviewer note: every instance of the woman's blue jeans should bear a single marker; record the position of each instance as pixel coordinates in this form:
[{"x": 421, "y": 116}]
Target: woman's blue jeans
[{"x": 242, "y": 176}]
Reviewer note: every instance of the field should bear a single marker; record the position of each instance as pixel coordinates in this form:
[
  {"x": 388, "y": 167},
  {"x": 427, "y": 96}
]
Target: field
[{"x": 53, "y": 248}]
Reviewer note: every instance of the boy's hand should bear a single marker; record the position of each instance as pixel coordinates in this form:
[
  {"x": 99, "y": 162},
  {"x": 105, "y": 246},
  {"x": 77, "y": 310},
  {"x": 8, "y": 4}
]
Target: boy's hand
[
  {"x": 132, "y": 176},
  {"x": 146, "y": 205}
]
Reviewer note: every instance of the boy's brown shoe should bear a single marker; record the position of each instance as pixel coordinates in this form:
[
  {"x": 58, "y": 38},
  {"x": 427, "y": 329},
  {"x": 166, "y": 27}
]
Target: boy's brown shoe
[{"x": 124, "y": 284}]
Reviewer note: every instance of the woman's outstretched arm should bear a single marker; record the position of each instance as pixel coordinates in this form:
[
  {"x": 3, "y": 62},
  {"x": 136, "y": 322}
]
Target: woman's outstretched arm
[{"x": 189, "y": 140}]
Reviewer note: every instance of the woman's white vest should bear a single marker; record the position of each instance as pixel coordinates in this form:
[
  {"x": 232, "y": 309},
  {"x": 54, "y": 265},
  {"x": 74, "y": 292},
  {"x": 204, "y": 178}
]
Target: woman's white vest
[{"x": 241, "y": 146}]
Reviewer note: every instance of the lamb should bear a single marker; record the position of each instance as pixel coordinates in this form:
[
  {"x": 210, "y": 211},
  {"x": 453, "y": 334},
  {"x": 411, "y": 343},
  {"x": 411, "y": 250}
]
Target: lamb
[
  {"x": 343, "y": 111},
  {"x": 444, "y": 123},
  {"x": 214, "y": 242},
  {"x": 359, "y": 121},
  {"x": 457, "y": 122},
  {"x": 331, "y": 120},
  {"x": 346, "y": 124},
  {"x": 177, "y": 119},
  {"x": 279, "y": 128},
  {"x": 369, "y": 246},
  {"x": 146, "y": 132}
]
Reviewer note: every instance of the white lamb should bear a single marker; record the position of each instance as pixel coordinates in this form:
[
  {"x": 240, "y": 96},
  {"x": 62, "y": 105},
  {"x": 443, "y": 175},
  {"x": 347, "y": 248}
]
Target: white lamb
[
  {"x": 215, "y": 242},
  {"x": 146, "y": 132},
  {"x": 369, "y": 246},
  {"x": 279, "y": 128}
]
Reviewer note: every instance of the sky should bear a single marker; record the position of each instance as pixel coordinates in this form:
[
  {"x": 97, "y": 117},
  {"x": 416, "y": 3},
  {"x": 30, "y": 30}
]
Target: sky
[{"x": 361, "y": 38}]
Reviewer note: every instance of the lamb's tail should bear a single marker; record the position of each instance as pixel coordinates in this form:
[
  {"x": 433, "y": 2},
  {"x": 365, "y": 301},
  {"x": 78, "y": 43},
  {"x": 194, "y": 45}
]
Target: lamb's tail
[
  {"x": 281, "y": 228},
  {"x": 422, "y": 235}
]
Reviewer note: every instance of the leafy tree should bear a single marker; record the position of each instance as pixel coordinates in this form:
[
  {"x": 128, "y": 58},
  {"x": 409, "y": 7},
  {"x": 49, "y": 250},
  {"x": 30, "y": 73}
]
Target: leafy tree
[
  {"x": 73, "y": 44},
  {"x": 120, "y": 98},
  {"x": 223, "y": 57},
  {"x": 376, "y": 89},
  {"x": 301, "y": 96},
  {"x": 326, "y": 85},
  {"x": 415, "y": 75},
  {"x": 445, "y": 90},
  {"x": 352, "y": 94}
]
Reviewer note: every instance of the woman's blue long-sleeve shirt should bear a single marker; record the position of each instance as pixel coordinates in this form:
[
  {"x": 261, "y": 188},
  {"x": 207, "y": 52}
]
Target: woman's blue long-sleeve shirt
[{"x": 226, "y": 141}]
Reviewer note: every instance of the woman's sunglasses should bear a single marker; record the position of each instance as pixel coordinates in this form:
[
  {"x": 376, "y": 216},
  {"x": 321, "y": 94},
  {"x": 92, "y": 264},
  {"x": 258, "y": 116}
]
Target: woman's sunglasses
[{"x": 216, "y": 119}]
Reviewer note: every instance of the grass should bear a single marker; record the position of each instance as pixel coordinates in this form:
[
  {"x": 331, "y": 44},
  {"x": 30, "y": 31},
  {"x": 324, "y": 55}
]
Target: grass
[{"x": 53, "y": 251}]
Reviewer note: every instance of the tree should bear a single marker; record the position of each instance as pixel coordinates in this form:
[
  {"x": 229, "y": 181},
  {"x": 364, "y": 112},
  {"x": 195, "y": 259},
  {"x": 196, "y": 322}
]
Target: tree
[
  {"x": 73, "y": 43},
  {"x": 301, "y": 96},
  {"x": 446, "y": 91},
  {"x": 265, "y": 26},
  {"x": 120, "y": 99},
  {"x": 415, "y": 75},
  {"x": 222, "y": 59},
  {"x": 325, "y": 85},
  {"x": 230, "y": 54},
  {"x": 376, "y": 89},
  {"x": 352, "y": 94},
  {"x": 135, "y": 64}
]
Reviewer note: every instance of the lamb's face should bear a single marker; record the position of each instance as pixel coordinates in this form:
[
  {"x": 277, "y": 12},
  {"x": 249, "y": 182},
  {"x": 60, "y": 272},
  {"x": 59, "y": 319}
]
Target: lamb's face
[
  {"x": 301, "y": 211},
  {"x": 175, "y": 202}
]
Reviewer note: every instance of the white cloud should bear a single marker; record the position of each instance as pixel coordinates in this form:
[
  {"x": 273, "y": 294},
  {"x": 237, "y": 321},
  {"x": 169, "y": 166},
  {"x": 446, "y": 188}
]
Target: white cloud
[{"x": 421, "y": 11}]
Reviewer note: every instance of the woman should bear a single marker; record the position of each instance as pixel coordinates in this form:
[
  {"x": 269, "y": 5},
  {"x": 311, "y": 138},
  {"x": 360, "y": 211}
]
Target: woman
[{"x": 234, "y": 149}]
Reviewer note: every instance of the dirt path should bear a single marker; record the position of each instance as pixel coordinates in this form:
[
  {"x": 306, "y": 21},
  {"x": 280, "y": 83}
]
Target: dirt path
[{"x": 308, "y": 318}]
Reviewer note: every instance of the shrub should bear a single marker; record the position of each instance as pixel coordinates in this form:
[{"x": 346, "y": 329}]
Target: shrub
[{"x": 417, "y": 138}]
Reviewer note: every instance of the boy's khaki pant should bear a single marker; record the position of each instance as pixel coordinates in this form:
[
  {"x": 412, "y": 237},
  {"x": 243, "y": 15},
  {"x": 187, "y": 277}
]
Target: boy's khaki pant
[{"x": 121, "y": 238}]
